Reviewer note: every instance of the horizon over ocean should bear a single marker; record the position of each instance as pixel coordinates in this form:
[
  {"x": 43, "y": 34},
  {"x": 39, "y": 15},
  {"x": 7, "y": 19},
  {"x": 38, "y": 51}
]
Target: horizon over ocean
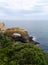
[{"x": 36, "y": 28}]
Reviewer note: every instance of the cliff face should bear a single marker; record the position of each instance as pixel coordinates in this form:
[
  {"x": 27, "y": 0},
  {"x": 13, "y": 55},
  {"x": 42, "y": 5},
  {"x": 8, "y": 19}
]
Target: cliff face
[
  {"x": 11, "y": 31},
  {"x": 24, "y": 34},
  {"x": 16, "y": 30},
  {"x": 2, "y": 27}
]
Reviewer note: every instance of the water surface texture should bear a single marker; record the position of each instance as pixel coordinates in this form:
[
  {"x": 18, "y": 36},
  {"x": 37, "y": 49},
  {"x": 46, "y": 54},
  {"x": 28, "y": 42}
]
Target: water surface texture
[{"x": 38, "y": 29}]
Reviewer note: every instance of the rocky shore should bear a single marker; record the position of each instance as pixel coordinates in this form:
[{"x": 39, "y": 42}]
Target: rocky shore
[{"x": 17, "y": 34}]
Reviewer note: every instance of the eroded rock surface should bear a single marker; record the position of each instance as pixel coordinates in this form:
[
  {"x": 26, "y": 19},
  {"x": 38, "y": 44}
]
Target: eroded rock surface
[
  {"x": 24, "y": 34},
  {"x": 2, "y": 27}
]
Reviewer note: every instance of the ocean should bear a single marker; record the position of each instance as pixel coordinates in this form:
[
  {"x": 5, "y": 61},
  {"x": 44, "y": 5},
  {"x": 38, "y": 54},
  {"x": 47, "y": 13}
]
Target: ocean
[{"x": 36, "y": 28}]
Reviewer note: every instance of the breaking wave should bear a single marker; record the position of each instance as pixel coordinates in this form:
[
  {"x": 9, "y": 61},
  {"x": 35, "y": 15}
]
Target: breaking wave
[{"x": 34, "y": 38}]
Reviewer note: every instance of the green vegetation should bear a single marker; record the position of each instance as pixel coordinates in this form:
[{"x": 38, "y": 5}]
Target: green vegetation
[
  {"x": 20, "y": 54},
  {"x": 47, "y": 56}
]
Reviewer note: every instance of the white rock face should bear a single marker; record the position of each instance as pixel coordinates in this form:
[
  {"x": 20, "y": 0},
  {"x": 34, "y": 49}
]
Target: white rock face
[{"x": 2, "y": 27}]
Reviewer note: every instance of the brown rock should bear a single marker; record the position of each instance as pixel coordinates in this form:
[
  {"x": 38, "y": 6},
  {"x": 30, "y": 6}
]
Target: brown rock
[{"x": 24, "y": 34}]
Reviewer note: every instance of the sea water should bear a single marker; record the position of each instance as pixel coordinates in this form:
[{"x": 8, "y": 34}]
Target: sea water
[{"x": 36, "y": 28}]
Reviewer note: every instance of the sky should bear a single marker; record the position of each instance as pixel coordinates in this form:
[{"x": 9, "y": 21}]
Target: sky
[{"x": 23, "y": 9}]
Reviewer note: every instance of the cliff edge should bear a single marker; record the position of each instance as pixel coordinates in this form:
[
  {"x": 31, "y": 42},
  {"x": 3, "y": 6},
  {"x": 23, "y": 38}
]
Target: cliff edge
[{"x": 24, "y": 36}]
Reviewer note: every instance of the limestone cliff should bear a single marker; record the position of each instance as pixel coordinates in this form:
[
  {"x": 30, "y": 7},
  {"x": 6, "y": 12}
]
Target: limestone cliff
[
  {"x": 2, "y": 27},
  {"x": 11, "y": 31},
  {"x": 24, "y": 34}
]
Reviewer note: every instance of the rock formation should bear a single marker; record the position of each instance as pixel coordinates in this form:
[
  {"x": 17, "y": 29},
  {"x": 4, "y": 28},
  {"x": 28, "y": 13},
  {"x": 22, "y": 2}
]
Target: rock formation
[
  {"x": 24, "y": 33},
  {"x": 2, "y": 27},
  {"x": 10, "y": 33}
]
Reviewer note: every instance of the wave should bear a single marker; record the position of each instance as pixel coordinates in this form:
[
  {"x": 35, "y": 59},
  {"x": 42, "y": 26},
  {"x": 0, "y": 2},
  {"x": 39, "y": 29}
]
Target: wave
[{"x": 34, "y": 38}]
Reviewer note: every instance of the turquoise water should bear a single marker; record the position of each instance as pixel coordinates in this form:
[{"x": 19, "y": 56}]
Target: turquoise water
[{"x": 38, "y": 29}]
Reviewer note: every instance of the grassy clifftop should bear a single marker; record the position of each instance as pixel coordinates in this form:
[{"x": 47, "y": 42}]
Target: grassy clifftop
[{"x": 20, "y": 54}]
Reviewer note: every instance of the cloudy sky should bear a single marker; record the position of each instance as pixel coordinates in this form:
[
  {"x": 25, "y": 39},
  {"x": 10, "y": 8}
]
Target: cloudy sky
[{"x": 23, "y": 9}]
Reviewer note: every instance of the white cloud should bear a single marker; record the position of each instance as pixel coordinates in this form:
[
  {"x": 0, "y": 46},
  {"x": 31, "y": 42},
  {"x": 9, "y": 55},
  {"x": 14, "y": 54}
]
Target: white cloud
[
  {"x": 45, "y": 9},
  {"x": 21, "y": 9},
  {"x": 2, "y": 14},
  {"x": 19, "y": 4}
]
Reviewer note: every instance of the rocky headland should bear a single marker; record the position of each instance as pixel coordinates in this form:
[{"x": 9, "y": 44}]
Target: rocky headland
[{"x": 17, "y": 34}]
